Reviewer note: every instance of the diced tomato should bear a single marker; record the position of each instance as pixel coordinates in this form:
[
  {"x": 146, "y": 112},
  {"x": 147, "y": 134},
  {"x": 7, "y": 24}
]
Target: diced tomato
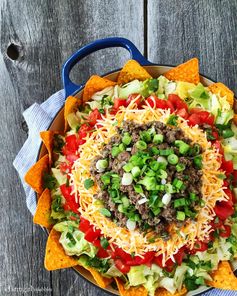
[
  {"x": 158, "y": 260},
  {"x": 84, "y": 224},
  {"x": 92, "y": 234},
  {"x": 180, "y": 255},
  {"x": 204, "y": 116},
  {"x": 225, "y": 231},
  {"x": 170, "y": 106},
  {"x": 72, "y": 157},
  {"x": 223, "y": 209},
  {"x": 195, "y": 110},
  {"x": 227, "y": 166},
  {"x": 138, "y": 101},
  {"x": 119, "y": 102},
  {"x": 218, "y": 146},
  {"x": 102, "y": 253},
  {"x": 169, "y": 265},
  {"x": 193, "y": 119},
  {"x": 177, "y": 102},
  {"x": 199, "y": 247},
  {"x": 121, "y": 266},
  {"x": 215, "y": 135},
  {"x": 94, "y": 116},
  {"x": 120, "y": 253},
  {"x": 154, "y": 102},
  {"x": 216, "y": 223},
  {"x": 137, "y": 260},
  {"x": 70, "y": 198},
  {"x": 71, "y": 143},
  {"x": 231, "y": 196},
  {"x": 182, "y": 113},
  {"x": 65, "y": 168},
  {"x": 84, "y": 130}
]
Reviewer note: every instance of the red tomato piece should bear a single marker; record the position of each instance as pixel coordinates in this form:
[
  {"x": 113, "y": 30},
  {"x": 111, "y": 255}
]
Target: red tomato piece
[
  {"x": 65, "y": 168},
  {"x": 218, "y": 146},
  {"x": 102, "y": 253},
  {"x": 70, "y": 198},
  {"x": 195, "y": 110},
  {"x": 147, "y": 258},
  {"x": 158, "y": 260},
  {"x": 223, "y": 210},
  {"x": 169, "y": 265},
  {"x": 225, "y": 231},
  {"x": 198, "y": 247},
  {"x": 121, "y": 266},
  {"x": 182, "y": 113},
  {"x": 72, "y": 157},
  {"x": 71, "y": 143},
  {"x": 138, "y": 101},
  {"x": 216, "y": 223},
  {"x": 120, "y": 253},
  {"x": 230, "y": 194},
  {"x": 94, "y": 116},
  {"x": 91, "y": 235},
  {"x": 154, "y": 102},
  {"x": 177, "y": 102},
  {"x": 215, "y": 135},
  {"x": 84, "y": 224},
  {"x": 119, "y": 102},
  {"x": 204, "y": 116},
  {"x": 170, "y": 106},
  {"x": 227, "y": 166},
  {"x": 84, "y": 130},
  {"x": 180, "y": 255},
  {"x": 193, "y": 119}
]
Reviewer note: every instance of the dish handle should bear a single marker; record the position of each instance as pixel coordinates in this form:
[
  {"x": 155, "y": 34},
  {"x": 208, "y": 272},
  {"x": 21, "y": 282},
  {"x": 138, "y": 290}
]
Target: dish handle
[{"x": 69, "y": 86}]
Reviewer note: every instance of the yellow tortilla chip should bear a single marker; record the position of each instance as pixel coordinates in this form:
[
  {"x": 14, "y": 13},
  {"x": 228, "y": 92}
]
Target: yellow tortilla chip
[
  {"x": 55, "y": 256},
  {"x": 132, "y": 291},
  {"x": 101, "y": 281},
  {"x": 188, "y": 71},
  {"x": 224, "y": 91},
  {"x": 132, "y": 70},
  {"x": 42, "y": 214},
  {"x": 223, "y": 277},
  {"x": 47, "y": 138},
  {"x": 164, "y": 292},
  {"x": 94, "y": 84},
  {"x": 34, "y": 177},
  {"x": 71, "y": 105}
]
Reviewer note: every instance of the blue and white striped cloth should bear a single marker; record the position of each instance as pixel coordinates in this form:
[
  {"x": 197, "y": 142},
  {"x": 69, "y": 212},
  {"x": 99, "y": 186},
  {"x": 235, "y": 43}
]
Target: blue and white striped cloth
[{"x": 38, "y": 118}]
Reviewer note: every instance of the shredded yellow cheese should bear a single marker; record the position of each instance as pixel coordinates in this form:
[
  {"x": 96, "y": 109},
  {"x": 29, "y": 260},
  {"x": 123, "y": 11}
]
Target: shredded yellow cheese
[{"x": 134, "y": 241}]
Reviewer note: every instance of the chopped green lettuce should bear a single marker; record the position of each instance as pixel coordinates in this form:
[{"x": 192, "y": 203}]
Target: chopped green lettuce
[
  {"x": 133, "y": 87},
  {"x": 136, "y": 275},
  {"x": 102, "y": 99},
  {"x": 61, "y": 178},
  {"x": 73, "y": 240}
]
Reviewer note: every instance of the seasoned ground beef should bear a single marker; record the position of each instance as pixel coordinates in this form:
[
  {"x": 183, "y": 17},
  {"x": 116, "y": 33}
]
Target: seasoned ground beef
[{"x": 167, "y": 160}]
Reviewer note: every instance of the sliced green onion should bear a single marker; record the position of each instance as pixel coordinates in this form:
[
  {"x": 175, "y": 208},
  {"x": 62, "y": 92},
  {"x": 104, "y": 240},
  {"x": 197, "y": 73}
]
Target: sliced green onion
[
  {"x": 105, "y": 178},
  {"x": 180, "y": 216},
  {"x": 169, "y": 188},
  {"x": 127, "y": 167},
  {"x": 136, "y": 171},
  {"x": 154, "y": 151},
  {"x": 126, "y": 139},
  {"x": 166, "y": 198},
  {"x": 150, "y": 173},
  {"x": 162, "y": 159},
  {"x": 162, "y": 174},
  {"x": 105, "y": 212},
  {"x": 145, "y": 136},
  {"x": 141, "y": 145},
  {"x": 121, "y": 208},
  {"x": 102, "y": 164},
  {"x": 166, "y": 152},
  {"x": 121, "y": 147},
  {"x": 172, "y": 120},
  {"x": 179, "y": 202},
  {"x": 138, "y": 188},
  {"x": 115, "y": 151},
  {"x": 127, "y": 179},
  {"x": 183, "y": 147},
  {"x": 88, "y": 183},
  {"x": 198, "y": 161},
  {"x": 125, "y": 202},
  {"x": 177, "y": 183},
  {"x": 154, "y": 165},
  {"x": 160, "y": 187},
  {"x": 195, "y": 150},
  {"x": 180, "y": 167},
  {"x": 158, "y": 139},
  {"x": 173, "y": 159},
  {"x": 192, "y": 196},
  {"x": 148, "y": 182}
]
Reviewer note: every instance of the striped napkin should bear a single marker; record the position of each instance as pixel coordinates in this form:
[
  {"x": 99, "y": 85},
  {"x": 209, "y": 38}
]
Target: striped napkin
[{"x": 38, "y": 118}]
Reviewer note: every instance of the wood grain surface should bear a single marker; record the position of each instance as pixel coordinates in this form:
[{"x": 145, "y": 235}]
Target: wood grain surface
[{"x": 44, "y": 33}]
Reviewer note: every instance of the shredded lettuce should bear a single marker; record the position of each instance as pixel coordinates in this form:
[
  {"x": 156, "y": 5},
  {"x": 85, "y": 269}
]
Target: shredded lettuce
[{"x": 133, "y": 87}]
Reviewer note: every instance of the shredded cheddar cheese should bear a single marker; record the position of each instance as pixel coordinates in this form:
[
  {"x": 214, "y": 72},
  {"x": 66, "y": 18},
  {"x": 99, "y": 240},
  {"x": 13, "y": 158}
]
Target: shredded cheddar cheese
[{"x": 134, "y": 241}]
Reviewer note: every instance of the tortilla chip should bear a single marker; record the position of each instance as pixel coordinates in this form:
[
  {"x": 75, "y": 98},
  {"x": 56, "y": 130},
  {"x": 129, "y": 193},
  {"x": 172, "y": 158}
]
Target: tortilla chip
[
  {"x": 34, "y": 177},
  {"x": 164, "y": 292},
  {"x": 48, "y": 138},
  {"x": 132, "y": 70},
  {"x": 132, "y": 291},
  {"x": 94, "y": 84},
  {"x": 224, "y": 91},
  {"x": 223, "y": 277},
  {"x": 43, "y": 210},
  {"x": 101, "y": 281},
  {"x": 188, "y": 71},
  {"x": 71, "y": 105},
  {"x": 55, "y": 256},
  {"x": 235, "y": 119}
]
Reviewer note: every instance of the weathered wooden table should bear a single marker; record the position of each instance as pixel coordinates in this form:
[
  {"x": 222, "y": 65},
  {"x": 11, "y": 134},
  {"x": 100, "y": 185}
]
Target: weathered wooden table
[{"x": 36, "y": 38}]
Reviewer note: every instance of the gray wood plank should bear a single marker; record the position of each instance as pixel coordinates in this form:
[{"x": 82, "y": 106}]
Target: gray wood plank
[
  {"x": 180, "y": 30},
  {"x": 46, "y": 33}
]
